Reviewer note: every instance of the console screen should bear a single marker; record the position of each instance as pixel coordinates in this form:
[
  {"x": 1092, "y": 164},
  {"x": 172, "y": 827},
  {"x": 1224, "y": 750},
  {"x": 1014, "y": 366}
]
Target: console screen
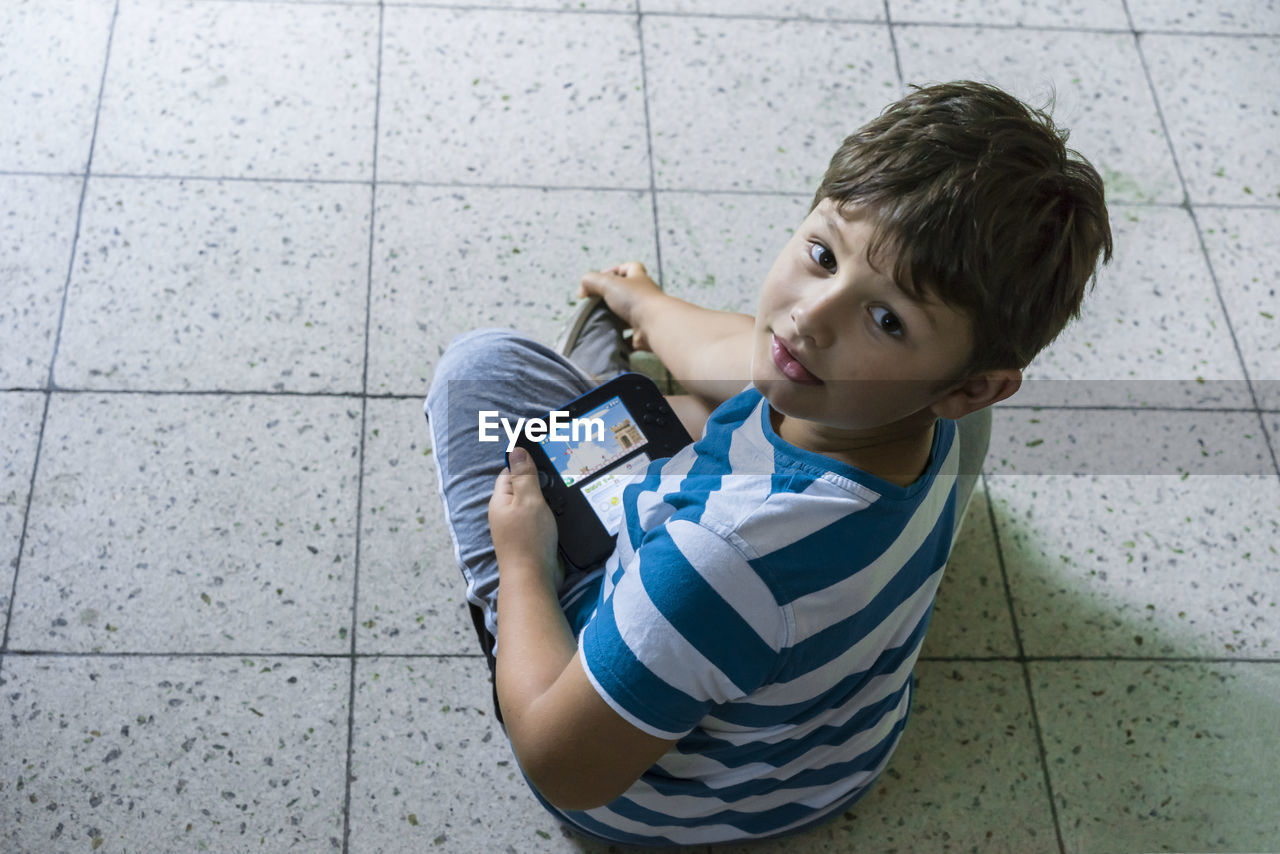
[{"x": 598, "y": 438}]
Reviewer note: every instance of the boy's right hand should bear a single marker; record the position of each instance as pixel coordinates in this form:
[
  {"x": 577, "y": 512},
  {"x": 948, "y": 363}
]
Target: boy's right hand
[{"x": 625, "y": 289}]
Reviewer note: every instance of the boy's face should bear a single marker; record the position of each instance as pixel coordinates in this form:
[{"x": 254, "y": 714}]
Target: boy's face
[{"x": 838, "y": 343}]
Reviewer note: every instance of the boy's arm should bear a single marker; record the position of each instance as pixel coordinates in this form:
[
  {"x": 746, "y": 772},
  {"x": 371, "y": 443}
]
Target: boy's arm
[
  {"x": 573, "y": 746},
  {"x": 708, "y": 351}
]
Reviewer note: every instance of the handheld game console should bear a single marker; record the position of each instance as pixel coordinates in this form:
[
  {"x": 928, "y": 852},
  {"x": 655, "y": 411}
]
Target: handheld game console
[{"x": 604, "y": 442}]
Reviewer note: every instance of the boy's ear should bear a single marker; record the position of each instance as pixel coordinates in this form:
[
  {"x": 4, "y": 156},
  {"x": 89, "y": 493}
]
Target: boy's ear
[{"x": 978, "y": 391}]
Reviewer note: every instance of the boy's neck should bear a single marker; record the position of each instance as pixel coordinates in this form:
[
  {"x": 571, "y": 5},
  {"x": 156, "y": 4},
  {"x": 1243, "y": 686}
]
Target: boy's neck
[{"x": 898, "y": 452}]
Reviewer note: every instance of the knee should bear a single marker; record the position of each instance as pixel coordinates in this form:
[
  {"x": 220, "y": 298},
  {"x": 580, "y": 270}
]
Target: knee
[
  {"x": 468, "y": 354},
  {"x": 476, "y": 355}
]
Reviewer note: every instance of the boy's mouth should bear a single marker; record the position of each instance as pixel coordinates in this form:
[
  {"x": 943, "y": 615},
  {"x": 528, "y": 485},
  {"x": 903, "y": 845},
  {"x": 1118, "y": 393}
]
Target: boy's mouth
[{"x": 789, "y": 365}]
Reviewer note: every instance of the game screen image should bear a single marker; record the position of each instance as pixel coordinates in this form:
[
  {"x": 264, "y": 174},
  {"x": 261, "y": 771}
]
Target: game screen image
[
  {"x": 576, "y": 461},
  {"x": 591, "y": 453},
  {"x": 605, "y": 492}
]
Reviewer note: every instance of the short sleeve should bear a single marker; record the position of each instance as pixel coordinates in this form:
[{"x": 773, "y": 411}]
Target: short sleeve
[{"x": 689, "y": 624}]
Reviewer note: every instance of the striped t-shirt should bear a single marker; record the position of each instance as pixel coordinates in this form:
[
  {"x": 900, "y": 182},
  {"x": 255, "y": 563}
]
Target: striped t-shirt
[{"x": 764, "y": 605}]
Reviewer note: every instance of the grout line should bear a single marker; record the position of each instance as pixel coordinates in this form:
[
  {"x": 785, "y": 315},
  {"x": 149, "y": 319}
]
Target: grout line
[
  {"x": 50, "y": 384},
  {"x": 1100, "y": 659},
  {"x": 210, "y": 392},
  {"x": 239, "y": 179},
  {"x": 364, "y": 423},
  {"x": 410, "y": 656},
  {"x": 36, "y": 173},
  {"x": 1111, "y": 407},
  {"x": 1027, "y": 28},
  {"x": 893, "y": 43},
  {"x": 335, "y": 656},
  {"x": 728, "y": 16},
  {"x": 391, "y": 396},
  {"x": 546, "y": 188},
  {"x": 1067, "y": 28},
  {"x": 57, "y": 340},
  {"x": 1238, "y": 206},
  {"x": 1026, "y": 671},
  {"x": 1207, "y": 34},
  {"x": 22, "y": 537},
  {"x": 1128, "y": 16},
  {"x": 1271, "y": 441},
  {"x": 481, "y": 7},
  {"x": 648, "y": 134}
]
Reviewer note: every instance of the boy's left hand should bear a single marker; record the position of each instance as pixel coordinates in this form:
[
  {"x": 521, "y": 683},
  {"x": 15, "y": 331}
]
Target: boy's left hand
[{"x": 521, "y": 523}]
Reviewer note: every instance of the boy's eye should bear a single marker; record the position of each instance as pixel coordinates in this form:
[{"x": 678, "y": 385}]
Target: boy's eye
[
  {"x": 887, "y": 321},
  {"x": 823, "y": 257}
]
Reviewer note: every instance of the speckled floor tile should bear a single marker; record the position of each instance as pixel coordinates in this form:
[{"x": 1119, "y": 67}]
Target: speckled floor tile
[
  {"x": 478, "y": 96},
  {"x": 1245, "y": 255},
  {"x": 971, "y": 613},
  {"x": 432, "y": 769},
  {"x": 752, "y": 104},
  {"x": 1088, "y": 14},
  {"x": 1207, "y": 16},
  {"x": 202, "y": 285},
  {"x": 37, "y": 225},
  {"x": 447, "y": 261},
  {"x": 20, "y": 414},
  {"x": 1127, "y": 442},
  {"x": 1151, "y": 332},
  {"x": 1205, "y": 84},
  {"x": 172, "y": 754},
  {"x": 1102, "y": 95},
  {"x": 268, "y": 90},
  {"x": 717, "y": 248},
  {"x": 966, "y": 775},
  {"x": 191, "y": 524},
  {"x": 51, "y": 58},
  {"x": 1162, "y": 757},
  {"x": 1142, "y": 565},
  {"x": 850, "y": 10},
  {"x": 412, "y": 595}
]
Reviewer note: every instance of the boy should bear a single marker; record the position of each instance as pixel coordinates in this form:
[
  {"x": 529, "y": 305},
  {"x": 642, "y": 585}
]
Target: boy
[{"x": 741, "y": 665}]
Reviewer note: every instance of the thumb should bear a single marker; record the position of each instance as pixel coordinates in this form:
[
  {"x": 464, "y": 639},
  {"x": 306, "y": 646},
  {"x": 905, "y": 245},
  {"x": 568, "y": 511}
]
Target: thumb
[
  {"x": 524, "y": 473},
  {"x": 519, "y": 461}
]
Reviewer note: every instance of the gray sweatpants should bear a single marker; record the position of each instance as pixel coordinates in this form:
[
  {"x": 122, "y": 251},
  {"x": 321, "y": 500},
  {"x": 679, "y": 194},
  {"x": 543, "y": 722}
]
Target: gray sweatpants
[{"x": 503, "y": 371}]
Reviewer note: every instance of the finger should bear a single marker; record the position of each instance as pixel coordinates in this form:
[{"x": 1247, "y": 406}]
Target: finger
[
  {"x": 523, "y": 471},
  {"x": 520, "y": 462},
  {"x": 592, "y": 282}
]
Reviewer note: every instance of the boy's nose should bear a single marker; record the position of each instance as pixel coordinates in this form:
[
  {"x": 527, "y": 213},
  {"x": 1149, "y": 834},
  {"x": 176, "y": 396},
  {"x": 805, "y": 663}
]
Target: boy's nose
[{"x": 814, "y": 316}]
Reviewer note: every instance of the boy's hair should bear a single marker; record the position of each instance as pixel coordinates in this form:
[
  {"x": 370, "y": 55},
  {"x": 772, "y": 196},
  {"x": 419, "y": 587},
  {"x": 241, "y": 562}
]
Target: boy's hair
[{"x": 984, "y": 206}]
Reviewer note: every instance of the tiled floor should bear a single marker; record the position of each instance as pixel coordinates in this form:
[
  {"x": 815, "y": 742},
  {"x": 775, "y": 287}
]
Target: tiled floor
[{"x": 236, "y": 236}]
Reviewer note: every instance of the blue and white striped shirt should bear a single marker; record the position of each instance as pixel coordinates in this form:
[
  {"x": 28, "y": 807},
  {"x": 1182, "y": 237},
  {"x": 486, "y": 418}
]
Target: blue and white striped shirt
[{"x": 765, "y": 605}]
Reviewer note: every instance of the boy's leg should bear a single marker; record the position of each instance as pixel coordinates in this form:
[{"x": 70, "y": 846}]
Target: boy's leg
[
  {"x": 594, "y": 341},
  {"x": 499, "y": 371},
  {"x": 974, "y": 432}
]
